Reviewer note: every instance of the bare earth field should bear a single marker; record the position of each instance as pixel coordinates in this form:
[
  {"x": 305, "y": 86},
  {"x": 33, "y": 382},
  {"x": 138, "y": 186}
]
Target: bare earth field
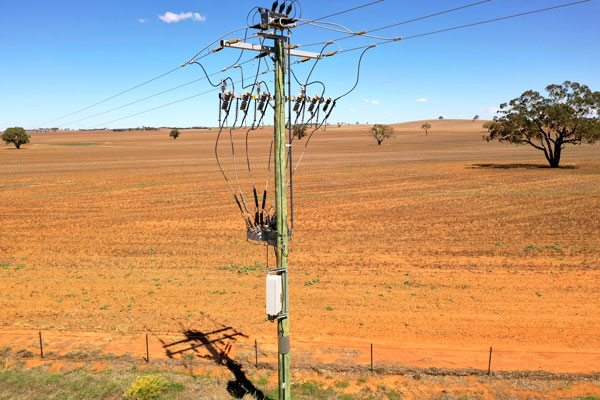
[{"x": 433, "y": 248}]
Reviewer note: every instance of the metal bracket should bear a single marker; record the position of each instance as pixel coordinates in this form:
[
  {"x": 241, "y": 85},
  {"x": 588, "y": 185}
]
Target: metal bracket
[
  {"x": 268, "y": 49},
  {"x": 277, "y": 270}
]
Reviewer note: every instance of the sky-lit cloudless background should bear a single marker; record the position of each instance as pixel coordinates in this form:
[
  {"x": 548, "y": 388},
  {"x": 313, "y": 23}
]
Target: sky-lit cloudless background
[{"x": 61, "y": 56}]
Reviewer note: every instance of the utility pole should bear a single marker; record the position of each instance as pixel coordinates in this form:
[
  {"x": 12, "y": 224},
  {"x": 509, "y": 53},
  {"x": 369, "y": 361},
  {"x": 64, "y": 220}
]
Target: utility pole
[
  {"x": 279, "y": 239},
  {"x": 281, "y": 247}
]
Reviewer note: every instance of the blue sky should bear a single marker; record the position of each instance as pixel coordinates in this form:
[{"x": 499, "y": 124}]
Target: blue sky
[{"x": 58, "y": 57}]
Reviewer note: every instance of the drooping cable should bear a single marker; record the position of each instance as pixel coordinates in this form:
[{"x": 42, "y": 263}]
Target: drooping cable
[{"x": 331, "y": 109}]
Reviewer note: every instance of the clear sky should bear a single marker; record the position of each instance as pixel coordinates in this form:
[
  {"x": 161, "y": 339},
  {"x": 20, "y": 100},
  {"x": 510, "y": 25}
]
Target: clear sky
[{"x": 61, "y": 56}]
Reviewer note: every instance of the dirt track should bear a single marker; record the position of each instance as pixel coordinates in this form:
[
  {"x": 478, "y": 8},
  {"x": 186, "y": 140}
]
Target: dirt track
[{"x": 432, "y": 247}]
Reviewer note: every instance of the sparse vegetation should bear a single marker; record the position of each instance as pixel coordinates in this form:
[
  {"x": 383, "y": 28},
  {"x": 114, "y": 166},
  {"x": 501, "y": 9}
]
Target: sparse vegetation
[
  {"x": 17, "y": 136},
  {"x": 174, "y": 133},
  {"x": 426, "y": 126},
  {"x": 299, "y": 131},
  {"x": 382, "y": 132},
  {"x": 151, "y": 387},
  {"x": 569, "y": 115}
]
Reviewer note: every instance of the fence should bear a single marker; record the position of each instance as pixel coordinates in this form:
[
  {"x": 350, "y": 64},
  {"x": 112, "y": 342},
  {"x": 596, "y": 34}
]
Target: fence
[{"x": 227, "y": 345}]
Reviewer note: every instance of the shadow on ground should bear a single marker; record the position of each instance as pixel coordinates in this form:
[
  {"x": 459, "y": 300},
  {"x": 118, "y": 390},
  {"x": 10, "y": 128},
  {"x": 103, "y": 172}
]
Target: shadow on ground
[
  {"x": 516, "y": 166},
  {"x": 218, "y": 344}
]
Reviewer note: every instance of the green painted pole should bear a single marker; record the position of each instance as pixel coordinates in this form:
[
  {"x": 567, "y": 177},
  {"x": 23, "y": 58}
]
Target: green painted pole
[{"x": 281, "y": 248}]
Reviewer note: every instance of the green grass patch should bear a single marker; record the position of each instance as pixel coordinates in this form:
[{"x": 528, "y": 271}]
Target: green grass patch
[{"x": 78, "y": 144}]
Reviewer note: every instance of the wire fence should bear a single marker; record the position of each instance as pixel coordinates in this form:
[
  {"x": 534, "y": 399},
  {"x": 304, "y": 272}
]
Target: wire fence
[{"x": 226, "y": 345}]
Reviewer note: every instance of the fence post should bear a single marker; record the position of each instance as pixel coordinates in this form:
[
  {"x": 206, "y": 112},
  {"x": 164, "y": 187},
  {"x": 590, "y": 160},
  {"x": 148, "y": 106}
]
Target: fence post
[
  {"x": 255, "y": 353},
  {"x": 41, "y": 345},
  {"x": 490, "y": 362},
  {"x": 147, "y": 350},
  {"x": 371, "y": 357}
]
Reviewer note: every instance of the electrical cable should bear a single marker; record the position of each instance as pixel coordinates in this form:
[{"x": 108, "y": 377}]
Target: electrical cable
[
  {"x": 331, "y": 109},
  {"x": 213, "y": 42},
  {"x": 401, "y": 23},
  {"x": 466, "y": 25},
  {"x": 357, "y": 75},
  {"x": 343, "y": 12},
  {"x": 352, "y": 34},
  {"x": 112, "y": 97},
  {"x": 166, "y": 91}
]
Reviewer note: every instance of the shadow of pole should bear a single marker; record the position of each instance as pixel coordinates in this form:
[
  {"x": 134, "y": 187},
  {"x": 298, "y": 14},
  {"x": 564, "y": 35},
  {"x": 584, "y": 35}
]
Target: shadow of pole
[{"x": 218, "y": 343}]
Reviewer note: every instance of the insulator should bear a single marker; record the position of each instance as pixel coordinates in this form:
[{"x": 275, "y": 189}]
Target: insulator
[
  {"x": 313, "y": 102},
  {"x": 263, "y": 99},
  {"x": 226, "y": 98},
  {"x": 245, "y": 99},
  {"x": 326, "y": 106},
  {"x": 299, "y": 100}
]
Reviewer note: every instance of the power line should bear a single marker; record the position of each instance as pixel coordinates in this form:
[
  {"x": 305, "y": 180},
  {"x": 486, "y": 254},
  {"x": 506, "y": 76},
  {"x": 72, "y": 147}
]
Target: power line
[
  {"x": 112, "y": 97},
  {"x": 143, "y": 83},
  {"x": 363, "y": 33},
  {"x": 342, "y": 12},
  {"x": 461, "y": 26},
  {"x": 207, "y": 76},
  {"x": 153, "y": 109},
  {"x": 497, "y": 19}
]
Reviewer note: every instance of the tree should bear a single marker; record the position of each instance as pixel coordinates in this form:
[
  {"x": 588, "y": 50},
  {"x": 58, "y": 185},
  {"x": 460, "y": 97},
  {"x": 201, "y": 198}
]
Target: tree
[
  {"x": 174, "y": 133},
  {"x": 569, "y": 115},
  {"x": 441, "y": 117},
  {"x": 476, "y": 118},
  {"x": 382, "y": 132},
  {"x": 16, "y": 135},
  {"x": 426, "y": 126},
  {"x": 299, "y": 131}
]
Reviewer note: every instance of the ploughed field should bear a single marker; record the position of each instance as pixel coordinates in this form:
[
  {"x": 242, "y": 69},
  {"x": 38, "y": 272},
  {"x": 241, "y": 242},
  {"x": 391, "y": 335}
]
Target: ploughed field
[{"x": 431, "y": 247}]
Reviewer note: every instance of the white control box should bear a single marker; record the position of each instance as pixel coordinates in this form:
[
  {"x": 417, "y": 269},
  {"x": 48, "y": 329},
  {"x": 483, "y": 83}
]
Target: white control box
[{"x": 274, "y": 302}]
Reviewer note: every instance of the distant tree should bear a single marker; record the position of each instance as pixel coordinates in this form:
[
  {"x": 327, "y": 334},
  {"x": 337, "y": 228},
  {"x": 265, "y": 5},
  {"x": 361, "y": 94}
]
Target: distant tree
[
  {"x": 476, "y": 118},
  {"x": 299, "y": 131},
  {"x": 426, "y": 126},
  {"x": 16, "y": 135},
  {"x": 382, "y": 132},
  {"x": 569, "y": 115},
  {"x": 495, "y": 118},
  {"x": 174, "y": 133},
  {"x": 441, "y": 117}
]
